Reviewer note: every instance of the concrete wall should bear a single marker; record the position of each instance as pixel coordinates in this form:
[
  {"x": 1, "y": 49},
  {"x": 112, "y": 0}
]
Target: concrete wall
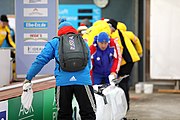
[
  {"x": 120, "y": 10},
  {"x": 7, "y": 7}
]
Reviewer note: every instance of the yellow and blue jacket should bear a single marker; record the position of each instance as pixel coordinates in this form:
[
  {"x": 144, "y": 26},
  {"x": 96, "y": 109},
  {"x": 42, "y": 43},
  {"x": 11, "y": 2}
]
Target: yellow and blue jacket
[{"x": 6, "y": 35}]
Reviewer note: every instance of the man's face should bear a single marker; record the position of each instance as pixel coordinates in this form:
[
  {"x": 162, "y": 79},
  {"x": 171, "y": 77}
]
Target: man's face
[
  {"x": 4, "y": 24},
  {"x": 102, "y": 45}
]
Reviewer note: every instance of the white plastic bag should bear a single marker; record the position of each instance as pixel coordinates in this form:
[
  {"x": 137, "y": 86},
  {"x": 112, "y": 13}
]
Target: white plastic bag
[
  {"x": 117, "y": 100},
  {"x": 103, "y": 110},
  {"x": 27, "y": 95}
]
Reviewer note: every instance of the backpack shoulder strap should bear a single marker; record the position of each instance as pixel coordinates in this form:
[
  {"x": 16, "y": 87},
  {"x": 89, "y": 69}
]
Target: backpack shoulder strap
[
  {"x": 83, "y": 45},
  {"x": 55, "y": 57}
]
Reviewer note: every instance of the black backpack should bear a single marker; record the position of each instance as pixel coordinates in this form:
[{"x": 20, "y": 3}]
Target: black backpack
[{"x": 73, "y": 53}]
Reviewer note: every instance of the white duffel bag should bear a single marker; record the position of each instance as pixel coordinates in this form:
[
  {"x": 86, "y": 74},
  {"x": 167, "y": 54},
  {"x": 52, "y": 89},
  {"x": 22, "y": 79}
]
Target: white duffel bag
[{"x": 111, "y": 104}]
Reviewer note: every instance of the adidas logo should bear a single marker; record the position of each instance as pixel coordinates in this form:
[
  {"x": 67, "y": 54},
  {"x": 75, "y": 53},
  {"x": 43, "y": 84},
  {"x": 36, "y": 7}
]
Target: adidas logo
[{"x": 72, "y": 78}]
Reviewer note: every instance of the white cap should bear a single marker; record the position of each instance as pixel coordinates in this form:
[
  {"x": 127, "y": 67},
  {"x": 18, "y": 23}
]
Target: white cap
[{"x": 82, "y": 27}]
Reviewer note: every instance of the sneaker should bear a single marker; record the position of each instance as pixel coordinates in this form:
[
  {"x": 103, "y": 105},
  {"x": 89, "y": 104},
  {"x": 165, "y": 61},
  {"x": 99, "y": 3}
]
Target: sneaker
[{"x": 124, "y": 118}]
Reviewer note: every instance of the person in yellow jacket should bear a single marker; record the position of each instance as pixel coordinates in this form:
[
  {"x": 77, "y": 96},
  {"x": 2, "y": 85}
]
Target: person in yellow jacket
[
  {"x": 97, "y": 27},
  {"x": 121, "y": 26},
  {"x": 5, "y": 33},
  {"x": 6, "y": 39},
  {"x": 131, "y": 50}
]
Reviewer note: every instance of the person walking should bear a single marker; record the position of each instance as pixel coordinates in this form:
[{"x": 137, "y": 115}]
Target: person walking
[
  {"x": 106, "y": 59},
  {"x": 131, "y": 51},
  {"x": 67, "y": 83}
]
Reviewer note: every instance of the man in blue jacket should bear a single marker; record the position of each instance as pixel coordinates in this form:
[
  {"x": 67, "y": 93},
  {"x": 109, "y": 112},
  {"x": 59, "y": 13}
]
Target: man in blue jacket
[{"x": 67, "y": 83}]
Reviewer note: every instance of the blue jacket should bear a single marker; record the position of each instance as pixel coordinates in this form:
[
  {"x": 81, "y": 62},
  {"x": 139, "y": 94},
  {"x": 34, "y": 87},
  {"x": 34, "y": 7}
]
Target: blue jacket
[
  {"x": 63, "y": 78},
  {"x": 103, "y": 60}
]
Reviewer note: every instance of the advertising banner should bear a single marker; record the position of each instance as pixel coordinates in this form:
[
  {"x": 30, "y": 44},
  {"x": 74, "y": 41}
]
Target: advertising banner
[
  {"x": 36, "y": 24},
  {"x": 76, "y": 13},
  {"x": 17, "y": 112},
  {"x": 49, "y": 105},
  {"x": 4, "y": 110},
  {"x": 43, "y": 107}
]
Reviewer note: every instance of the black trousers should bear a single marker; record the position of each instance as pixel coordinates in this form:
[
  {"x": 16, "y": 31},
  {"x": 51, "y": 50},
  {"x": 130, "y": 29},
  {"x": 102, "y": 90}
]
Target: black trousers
[
  {"x": 124, "y": 84},
  {"x": 85, "y": 97}
]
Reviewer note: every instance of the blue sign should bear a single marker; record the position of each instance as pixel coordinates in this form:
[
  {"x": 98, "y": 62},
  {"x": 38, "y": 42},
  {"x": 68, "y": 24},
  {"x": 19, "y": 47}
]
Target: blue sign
[
  {"x": 3, "y": 115},
  {"x": 75, "y": 13},
  {"x": 35, "y": 24}
]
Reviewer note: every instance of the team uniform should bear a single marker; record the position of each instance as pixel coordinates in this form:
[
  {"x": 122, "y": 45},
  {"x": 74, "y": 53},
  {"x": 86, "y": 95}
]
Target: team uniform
[{"x": 104, "y": 61}]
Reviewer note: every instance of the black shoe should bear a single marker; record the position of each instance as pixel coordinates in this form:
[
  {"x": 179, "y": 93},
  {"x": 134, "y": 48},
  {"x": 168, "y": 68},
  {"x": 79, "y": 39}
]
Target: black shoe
[{"x": 124, "y": 118}]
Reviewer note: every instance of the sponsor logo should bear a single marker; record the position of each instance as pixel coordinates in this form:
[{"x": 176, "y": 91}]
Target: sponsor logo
[
  {"x": 71, "y": 43},
  {"x": 35, "y": 37},
  {"x": 35, "y": 24},
  {"x": 110, "y": 54},
  {"x": 4, "y": 110},
  {"x": 98, "y": 58},
  {"x": 35, "y": 12},
  {"x": 73, "y": 79},
  {"x": 26, "y": 114},
  {"x": 33, "y": 49},
  {"x": 64, "y": 13},
  {"x": 3, "y": 115},
  {"x": 3, "y": 33},
  {"x": 35, "y": 1}
]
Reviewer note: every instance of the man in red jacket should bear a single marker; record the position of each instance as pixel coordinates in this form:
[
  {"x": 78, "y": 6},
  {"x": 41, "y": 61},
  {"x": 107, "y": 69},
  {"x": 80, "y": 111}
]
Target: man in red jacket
[{"x": 106, "y": 59}]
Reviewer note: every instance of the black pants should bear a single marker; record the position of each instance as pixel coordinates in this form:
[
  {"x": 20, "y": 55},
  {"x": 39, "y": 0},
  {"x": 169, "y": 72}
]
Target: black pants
[
  {"x": 124, "y": 84},
  {"x": 85, "y": 97}
]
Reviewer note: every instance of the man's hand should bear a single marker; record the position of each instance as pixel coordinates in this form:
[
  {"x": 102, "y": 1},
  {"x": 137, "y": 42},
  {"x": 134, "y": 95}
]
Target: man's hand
[
  {"x": 27, "y": 85},
  {"x": 111, "y": 77},
  {"x": 26, "y": 81},
  {"x": 114, "y": 74}
]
